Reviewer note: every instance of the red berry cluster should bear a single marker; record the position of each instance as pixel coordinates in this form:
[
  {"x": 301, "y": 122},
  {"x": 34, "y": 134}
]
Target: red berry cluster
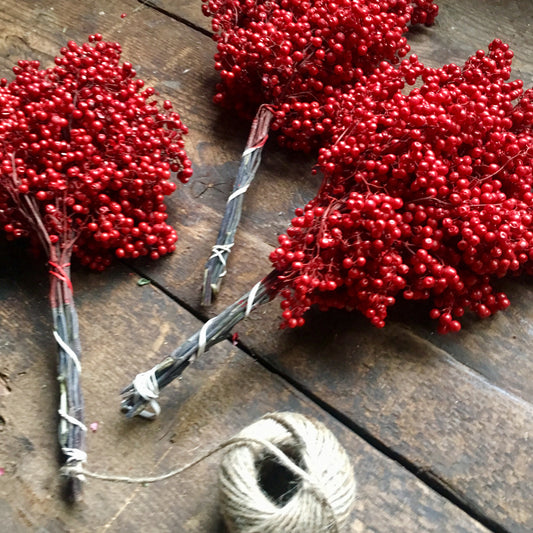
[
  {"x": 424, "y": 12},
  {"x": 89, "y": 143},
  {"x": 426, "y": 196},
  {"x": 299, "y": 56}
]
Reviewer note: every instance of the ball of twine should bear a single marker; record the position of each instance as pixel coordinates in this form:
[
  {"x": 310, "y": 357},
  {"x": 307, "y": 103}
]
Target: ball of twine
[{"x": 286, "y": 473}]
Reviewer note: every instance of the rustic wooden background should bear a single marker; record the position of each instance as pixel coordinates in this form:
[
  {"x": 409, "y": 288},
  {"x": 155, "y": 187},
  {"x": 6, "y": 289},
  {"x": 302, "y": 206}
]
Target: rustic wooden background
[{"x": 439, "y": 428}]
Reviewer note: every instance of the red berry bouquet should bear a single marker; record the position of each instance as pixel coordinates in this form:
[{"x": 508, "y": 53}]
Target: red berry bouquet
[
  {"x": 287, "y": 62},
  {"x": 426, "y": 196},
  {"x": 86, "y": 156}
]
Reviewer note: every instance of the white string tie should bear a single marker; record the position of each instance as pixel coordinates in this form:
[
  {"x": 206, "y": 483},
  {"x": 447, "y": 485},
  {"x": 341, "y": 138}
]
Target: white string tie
[
  {"x": 75, "y": 458},
  {"x": 71, "y": 420},
  {"x": 202, "y": 335},
  {"x": 247, "y": 155},
  {"x": 146, "y": 386},
  {"x": 68, "y": 350},
  {"x": 218, "y": 251},
  {"x": 251, "y": 298},
  {"x": 202, "y": 340},
  {"x": 238, "y": 192},
  {"x": 248, "y": 151}
]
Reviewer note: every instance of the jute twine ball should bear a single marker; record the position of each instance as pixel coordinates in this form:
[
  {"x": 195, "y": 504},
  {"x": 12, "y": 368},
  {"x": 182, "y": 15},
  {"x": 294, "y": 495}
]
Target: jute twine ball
[{"x": 286, "y": 473}]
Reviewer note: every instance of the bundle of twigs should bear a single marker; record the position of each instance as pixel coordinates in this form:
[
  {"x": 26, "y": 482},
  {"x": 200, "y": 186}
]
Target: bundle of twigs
[
  {"x": 85, "y": 162},
  {"x": 287, "y": 63}
]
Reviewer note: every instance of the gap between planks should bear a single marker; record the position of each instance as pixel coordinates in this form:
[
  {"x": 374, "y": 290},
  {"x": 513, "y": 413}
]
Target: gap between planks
[{"x": 175, "y": 17}]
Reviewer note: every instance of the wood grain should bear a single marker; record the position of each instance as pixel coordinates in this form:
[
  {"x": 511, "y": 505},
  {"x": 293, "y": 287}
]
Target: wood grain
[
  {"x": 462, "y": 27},
  {"x": 189, "y": 11},
  {"x": 488, "y": 357}
]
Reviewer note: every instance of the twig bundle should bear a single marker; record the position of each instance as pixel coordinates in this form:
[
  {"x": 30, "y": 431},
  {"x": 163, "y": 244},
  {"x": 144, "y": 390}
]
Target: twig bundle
[
  {"x": 85, "y": 162},
  {"x": 287, "y": 63}
]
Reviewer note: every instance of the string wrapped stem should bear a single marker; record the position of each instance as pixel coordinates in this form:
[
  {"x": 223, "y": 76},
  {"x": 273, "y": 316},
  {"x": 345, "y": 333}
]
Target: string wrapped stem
[
  {"x": 71, "y": 429},
  {"x": 144, "y": 390},
  {"x": 215, "y": 268}
]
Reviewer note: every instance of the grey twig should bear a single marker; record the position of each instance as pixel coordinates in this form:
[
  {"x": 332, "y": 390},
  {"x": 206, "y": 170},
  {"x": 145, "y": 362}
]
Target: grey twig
[
  {"x": 215, "y": 268},
  {"x": 71, "y": 429},
  {"x": 144, "y": 390}
]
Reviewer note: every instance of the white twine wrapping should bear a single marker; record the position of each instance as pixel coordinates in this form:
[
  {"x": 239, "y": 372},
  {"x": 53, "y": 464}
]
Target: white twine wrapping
[
  {"x": 202, "y": 335},
  {"x": 145, "y": 385},
  {"x": 325, "y": 490},
  {"x": 248, "y": 151},
  {"x": 71, "y": 420},
  {"x": 68, "y": 350},
  {"x": 221, "y": 250},
  {"x": 239, "y": 191},
  {"x": 75, "y": 459},
  {"x": 218, "y": 251},
  {"x": 74, "y": 456},
  {"x": 202, "y": 340},
  {"x": 251, "y": 298}
]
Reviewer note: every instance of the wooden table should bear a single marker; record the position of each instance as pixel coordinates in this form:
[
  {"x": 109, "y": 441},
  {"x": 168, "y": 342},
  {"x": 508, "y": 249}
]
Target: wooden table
[{"x": 439, "y": 428}]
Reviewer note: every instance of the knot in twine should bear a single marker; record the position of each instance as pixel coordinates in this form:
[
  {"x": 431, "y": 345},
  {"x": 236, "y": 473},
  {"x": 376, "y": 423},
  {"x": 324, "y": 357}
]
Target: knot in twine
[
  {"x": 286, "y": 473},
  {"x": 74, "y": 461}
]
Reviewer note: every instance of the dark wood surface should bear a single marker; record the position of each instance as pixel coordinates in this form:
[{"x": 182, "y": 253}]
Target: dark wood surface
[{"x": 438, "y": 427}]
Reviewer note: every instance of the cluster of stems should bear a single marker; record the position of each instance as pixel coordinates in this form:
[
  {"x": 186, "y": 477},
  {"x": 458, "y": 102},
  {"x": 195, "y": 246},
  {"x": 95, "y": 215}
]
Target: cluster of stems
[{"x": 287, "y": 63}]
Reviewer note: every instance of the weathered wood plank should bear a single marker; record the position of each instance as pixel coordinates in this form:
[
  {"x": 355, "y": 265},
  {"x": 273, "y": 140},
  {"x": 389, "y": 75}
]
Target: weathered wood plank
[
  {"x": 461, "y": 27},
  {"x": 464, "y": 26},
  {"x": 123, "y": 324},
  {"x": 186, "y": 10},
  {"x": 284, "y": 183},
  {"x": 421, "y": 400}
]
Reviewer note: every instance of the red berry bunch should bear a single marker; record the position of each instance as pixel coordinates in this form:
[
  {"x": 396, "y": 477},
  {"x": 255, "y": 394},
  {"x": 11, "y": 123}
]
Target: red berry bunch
[
  {"x": 88, "y": 144},
  {"x": 426, "y": 196},
  {"x": 300, "y": 56},
  {"x": 424, "y": 12}
]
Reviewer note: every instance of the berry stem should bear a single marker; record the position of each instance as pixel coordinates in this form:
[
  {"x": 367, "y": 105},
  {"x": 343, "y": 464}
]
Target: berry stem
[
  {"x": 71, "y": 430},
  {"x": 145, "y": 388},
  {"x": 215, "y": 268}
]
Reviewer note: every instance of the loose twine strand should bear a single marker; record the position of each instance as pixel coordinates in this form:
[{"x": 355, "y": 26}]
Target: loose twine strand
[{"x": 325, "y": 488}]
